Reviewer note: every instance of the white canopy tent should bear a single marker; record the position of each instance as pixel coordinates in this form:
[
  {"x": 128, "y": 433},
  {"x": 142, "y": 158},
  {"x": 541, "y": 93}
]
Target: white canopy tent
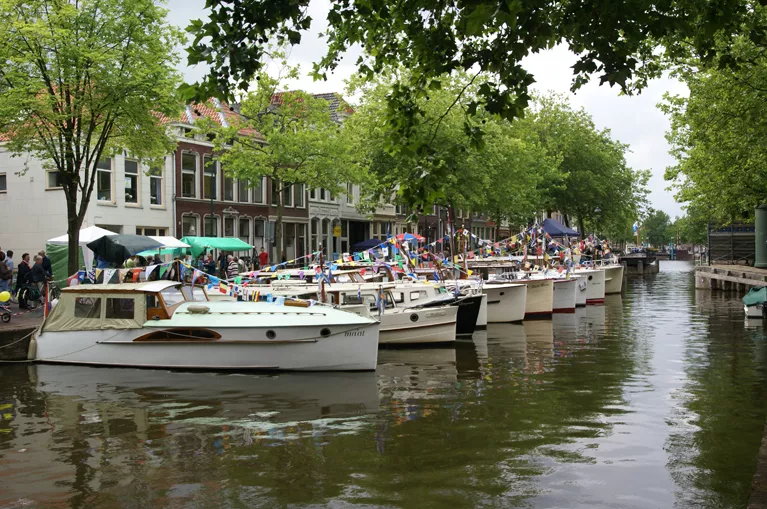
[
  {"x": 168, "y": 241},
  {"x": 88, "y": 234}
]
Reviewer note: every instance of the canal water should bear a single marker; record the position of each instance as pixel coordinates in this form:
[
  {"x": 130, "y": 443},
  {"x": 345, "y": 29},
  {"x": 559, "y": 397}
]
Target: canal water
[{"x": 656, "y": 399}]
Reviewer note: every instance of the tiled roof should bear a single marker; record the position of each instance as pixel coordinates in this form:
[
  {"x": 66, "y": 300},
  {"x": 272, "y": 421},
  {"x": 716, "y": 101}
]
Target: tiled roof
[
  {"x": 213, "y": 109},
  {"x": 338, "y": 107}
]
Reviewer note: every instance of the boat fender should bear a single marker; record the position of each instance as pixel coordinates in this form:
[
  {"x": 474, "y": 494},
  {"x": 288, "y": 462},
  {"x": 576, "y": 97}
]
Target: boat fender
[
  {"x": 32, "y": 350},
  {"x": 198, "y": 310}
]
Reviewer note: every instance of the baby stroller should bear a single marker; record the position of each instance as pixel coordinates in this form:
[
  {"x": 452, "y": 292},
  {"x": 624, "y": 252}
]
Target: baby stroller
[{"x": 5, "y": 312}]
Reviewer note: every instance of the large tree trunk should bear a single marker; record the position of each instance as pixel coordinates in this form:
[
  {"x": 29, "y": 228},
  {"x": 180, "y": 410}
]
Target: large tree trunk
[
  {"x": 74, "y": 222},
  {"x": 582, "y": 227}
]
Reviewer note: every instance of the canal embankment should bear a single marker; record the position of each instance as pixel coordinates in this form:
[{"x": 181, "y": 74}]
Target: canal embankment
[
  {"x": 738, "y": 278},
  {"x": 16, "y": 334}
]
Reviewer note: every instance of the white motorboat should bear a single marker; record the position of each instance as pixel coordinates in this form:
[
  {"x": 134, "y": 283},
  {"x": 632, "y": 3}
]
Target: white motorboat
[
  {"x": 400, "y": 323},
  {"x": 539, "y": 301},
  {"x": 613, "y": 278},
  {"x": 565, "y": 295},
  {"x": 754, "y": 303},
  {"x": 154, "y": 325},
  {"x": 505, "y": 300},
  {"x": 595, "y": 281}
]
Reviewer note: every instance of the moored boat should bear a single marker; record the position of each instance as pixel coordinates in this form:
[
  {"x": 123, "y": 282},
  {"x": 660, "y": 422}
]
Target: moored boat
[{"x": 154, "y": 325}]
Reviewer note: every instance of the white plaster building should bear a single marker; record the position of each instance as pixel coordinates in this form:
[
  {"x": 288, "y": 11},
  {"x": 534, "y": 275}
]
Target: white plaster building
[{"x": 126, "y": 199}]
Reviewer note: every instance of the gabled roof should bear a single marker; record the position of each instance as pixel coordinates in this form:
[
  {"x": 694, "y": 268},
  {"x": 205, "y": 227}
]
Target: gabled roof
[{"x": 336, "y": 104}]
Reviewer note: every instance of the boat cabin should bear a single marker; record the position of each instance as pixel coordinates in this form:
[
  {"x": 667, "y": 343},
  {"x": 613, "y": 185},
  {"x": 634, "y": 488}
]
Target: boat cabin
[{"x": 118, "y": 306}]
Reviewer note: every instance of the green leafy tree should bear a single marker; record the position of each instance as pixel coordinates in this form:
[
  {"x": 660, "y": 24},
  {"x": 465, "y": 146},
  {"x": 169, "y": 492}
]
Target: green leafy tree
[
  {"x": 593, "y": 184},
  {"x": 692, "y": 228},
  {"x": 499, "y": 177},
  {"x": 82, "y": 80},
  {"x": 657, "y": 227},
  {"x": 717, "y": 133},
  {"x": 287, "y": 136},
  {"x": 616, "y": 42}
]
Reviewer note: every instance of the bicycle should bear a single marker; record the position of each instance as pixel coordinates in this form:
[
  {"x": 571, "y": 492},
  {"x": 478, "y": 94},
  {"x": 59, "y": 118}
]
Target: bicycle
[{"x": 31, "y": 294}]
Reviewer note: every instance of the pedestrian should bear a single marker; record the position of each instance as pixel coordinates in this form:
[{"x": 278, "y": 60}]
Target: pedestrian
[
  {"x": 231, "y": 270},
  {"x": 130, "y": 262},
  {"x": 157, "y": 260},
  {"x": 241, "y": 265},
  {"x": 22, "y": 278},
  {"x": 263, "y": 258},
  {"x": 222, "y": 264},
  {"x": 6, "y": 275},
  {"x": 209, "y": 267},
  {"x": 11, "y": 265},
  {"x": 46, "y": 263}
]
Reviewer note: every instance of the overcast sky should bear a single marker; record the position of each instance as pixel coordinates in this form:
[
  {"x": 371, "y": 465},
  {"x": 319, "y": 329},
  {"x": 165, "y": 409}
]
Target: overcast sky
[{"x": 633, "y": 120}]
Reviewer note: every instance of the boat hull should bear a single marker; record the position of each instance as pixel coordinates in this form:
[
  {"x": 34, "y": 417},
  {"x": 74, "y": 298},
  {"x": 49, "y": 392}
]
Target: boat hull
[
  {"x": 581, "y": 291},
  {"x": 295, "y": 348},
  {"x": 418, "y": 326},
  {"x": 482, "y": 317},
  {"x": 565, "y": 293},
  {"x": 595, "y": 289},
  {"x": 505, "y": 302},
  {"x": 468, "y": 311},
  {"x": 613, "y": 279},
  {"x": 540, "y": 298},
  {"x": 754, "y": 311}
]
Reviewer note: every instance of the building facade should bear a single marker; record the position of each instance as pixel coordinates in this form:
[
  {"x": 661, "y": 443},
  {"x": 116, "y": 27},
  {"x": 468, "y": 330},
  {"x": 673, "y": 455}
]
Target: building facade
[{"x": 127, "y": 198}]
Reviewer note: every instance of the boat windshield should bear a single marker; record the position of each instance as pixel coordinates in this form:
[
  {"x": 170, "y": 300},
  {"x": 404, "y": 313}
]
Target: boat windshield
[{"x": 172, "y": 296}]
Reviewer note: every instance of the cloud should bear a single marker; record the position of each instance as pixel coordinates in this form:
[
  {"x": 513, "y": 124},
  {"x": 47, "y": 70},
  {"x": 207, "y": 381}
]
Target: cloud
[{"x": 633, "y": 120}]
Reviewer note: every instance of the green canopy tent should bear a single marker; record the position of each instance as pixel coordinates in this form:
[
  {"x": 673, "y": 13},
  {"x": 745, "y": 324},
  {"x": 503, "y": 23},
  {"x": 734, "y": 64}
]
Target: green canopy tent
[{"x": 200, "y": 244}]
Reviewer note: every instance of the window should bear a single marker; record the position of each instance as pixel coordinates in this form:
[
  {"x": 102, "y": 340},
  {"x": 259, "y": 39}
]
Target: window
[
  {"x": 350, "y": 194},
  {"x": 290, "y": 233},
  {"x": 299, "y": 195},
  {"x": 300, "y": 239},
  {"x": 119, "y": 308},
  {"x": 228, "y": 227},
  {"x": 172, "y": 296},
  {"x": 189, "y": 226},
  {"x": 258, "y": 192},
  {"x": 131, "y": 181},
  {"x": 188, "y": 175},
  {"x": 104, "y": 180},
  {"x": 312, "y": 194},
  {"x": 244, "y": 229},
  {"x": 151, "y": 230},
  {"x": 322, "y": 193},
  {"x": 228, "y": 188},
  {"x": 287, "y": 196},
  {"x": 258, "y": 228},
  {"x": 3, "y": 183},
  {"x": 54, "y": 179},
  {"x": 87, "y": 307},
  {"x": 209, "y": 174},
  {"x": 275, "y": 194},
  {"x": 315, "y": 227},
  {"x": 155, "y": 186},
  {"x": 242, "y": 191},
  {"x": 210, "y": 226}
]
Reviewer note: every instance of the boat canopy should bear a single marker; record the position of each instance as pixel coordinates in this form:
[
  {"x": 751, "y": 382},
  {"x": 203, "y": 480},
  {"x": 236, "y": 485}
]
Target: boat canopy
[
  {"x": 200, "y": 244},
  {"x": 755, "y": 296},
  {"x": 91, "y": 310}
]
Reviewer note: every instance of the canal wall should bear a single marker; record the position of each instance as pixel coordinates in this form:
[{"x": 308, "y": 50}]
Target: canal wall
[
  {"x": 14, "y": 343},
  {"x": 641, "y": 268},
  {"x": 729, "y": 278}
]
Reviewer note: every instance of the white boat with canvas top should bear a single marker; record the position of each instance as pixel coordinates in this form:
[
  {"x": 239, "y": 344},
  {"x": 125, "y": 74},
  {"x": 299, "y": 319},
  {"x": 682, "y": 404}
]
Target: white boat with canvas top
[{"x": 155, "y": 325}]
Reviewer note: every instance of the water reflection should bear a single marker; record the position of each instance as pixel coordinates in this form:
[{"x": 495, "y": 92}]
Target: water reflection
[{"x": 654, "y": 399}]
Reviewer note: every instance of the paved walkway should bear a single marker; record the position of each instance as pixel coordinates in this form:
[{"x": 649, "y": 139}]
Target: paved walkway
[{"x": 22, "y": 319}]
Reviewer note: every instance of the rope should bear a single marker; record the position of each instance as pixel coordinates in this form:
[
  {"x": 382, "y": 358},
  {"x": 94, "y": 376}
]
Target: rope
[{"x": 18, "y": 340}]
